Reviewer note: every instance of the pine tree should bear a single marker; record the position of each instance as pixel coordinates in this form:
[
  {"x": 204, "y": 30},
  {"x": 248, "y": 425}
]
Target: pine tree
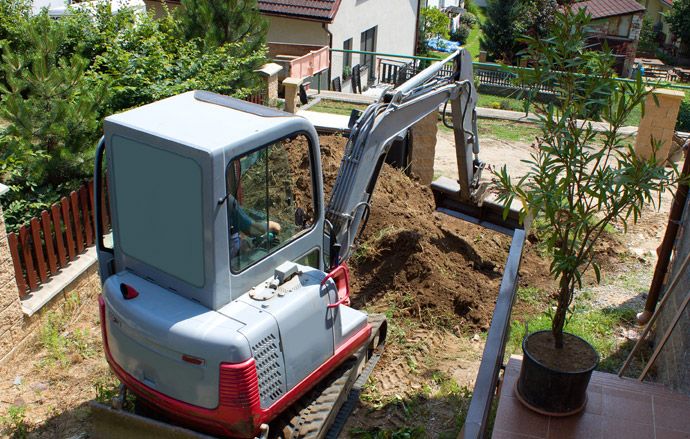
[
  {"x": 51, "y": 110},
  {"x": 217, "y": 22},
  {"x": 499, "y": 30}
]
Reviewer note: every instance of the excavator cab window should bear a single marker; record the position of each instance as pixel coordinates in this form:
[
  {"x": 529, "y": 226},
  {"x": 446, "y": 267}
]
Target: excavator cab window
[{"x": 270, "y": 199}]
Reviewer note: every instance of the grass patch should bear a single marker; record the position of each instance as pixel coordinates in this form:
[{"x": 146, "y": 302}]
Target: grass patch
[
  {"x": 508, "y": 131},
  {"x": 472, "y": 43},
  {"x": 337, "y": 107},
  {"x": 14, "y": 423},
  {"x": 500, "y": 103},
  {"x": 418, "y": 408},
  {"x": 62, "y": 345},
  {"x": 503, "y": 130},
  {"x": 597, "y": 326},
  {"x": 634, "y": 117}
]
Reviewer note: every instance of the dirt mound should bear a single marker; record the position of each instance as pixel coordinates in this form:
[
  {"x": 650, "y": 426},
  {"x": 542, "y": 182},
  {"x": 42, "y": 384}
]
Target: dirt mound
[{"x": 415, "y": 261}]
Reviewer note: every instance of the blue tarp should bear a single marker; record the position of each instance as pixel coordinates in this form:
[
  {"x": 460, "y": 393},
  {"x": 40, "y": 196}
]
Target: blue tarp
[{"x": 442, "y": 45}]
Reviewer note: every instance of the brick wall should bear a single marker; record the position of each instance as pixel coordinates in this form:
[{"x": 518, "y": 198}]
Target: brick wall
[{"x": 673, "y": 363}]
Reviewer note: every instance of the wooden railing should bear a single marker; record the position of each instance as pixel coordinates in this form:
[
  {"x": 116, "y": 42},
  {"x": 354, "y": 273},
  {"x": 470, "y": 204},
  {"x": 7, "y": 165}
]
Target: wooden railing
[{"x": 49, "y": 243}]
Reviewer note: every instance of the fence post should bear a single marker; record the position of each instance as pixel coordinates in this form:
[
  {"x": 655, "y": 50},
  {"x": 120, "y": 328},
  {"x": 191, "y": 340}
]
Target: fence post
[
  {"x": 291, "y": 89},
  {"x": 423, "y": 135},
  {"x": 11, "y": 315},
  {"x": 269, "y": 74},
  {"x": 658, "y": 123}
]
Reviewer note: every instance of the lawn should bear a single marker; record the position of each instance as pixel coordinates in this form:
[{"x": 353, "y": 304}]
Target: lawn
[
  {"x": 337, "y": 107},
  {"x": 472, "y": 43}
]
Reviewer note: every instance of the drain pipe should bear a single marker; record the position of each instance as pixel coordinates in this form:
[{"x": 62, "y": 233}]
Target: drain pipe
[
  {"x": 330, "y": 56},
  {"x": 666, "y": 247}
]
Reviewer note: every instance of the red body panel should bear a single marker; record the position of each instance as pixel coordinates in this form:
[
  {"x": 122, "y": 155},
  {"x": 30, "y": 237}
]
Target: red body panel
[{"x": 239, "y": 413}]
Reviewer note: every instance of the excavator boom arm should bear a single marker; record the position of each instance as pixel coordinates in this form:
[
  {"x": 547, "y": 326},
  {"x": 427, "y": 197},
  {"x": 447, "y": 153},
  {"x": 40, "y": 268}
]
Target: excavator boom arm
[{"x": 386, "y": 120}]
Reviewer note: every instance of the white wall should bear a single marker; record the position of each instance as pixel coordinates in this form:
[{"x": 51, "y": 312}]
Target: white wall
[
  {"x": 287, "y": 30},
  {"x": 396, "y": 21},
  {"x": 442, "y": 3}
]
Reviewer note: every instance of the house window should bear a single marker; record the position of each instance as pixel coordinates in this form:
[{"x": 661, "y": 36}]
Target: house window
[
  {"x": 368, "y": 44},
  {"x": 620, "y": 26},
  {"x": 347, "y": 59}
]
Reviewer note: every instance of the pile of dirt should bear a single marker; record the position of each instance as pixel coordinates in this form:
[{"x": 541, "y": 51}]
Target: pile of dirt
[{"x": 425, "y": 264}]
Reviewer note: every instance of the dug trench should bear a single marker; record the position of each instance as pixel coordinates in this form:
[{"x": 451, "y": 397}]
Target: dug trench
[{"x": 436, "y": 278}]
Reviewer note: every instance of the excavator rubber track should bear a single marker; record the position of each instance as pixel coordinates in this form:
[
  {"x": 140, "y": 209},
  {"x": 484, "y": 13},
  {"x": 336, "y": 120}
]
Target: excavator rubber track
[
  {"x": 324, "y": 410},
  {"x": 321, "y": 413}
]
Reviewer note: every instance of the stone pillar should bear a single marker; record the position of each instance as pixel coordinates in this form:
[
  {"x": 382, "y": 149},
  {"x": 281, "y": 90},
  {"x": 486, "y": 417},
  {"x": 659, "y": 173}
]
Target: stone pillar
[
  {"x": 269, "y": 74},
  {"x": 658, "y": 123},
  {"x": 11, "y": 315},
  {"x": 423, "y": 137},
  {"x": 291, "y": 94}
]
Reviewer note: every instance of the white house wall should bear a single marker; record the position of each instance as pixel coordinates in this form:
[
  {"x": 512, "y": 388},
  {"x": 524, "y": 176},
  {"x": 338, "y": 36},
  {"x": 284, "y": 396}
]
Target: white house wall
[
  {"x": 440, "y": 4},
  {"x": 287, "y": 30},
  {"x": 396, "y": 21}
]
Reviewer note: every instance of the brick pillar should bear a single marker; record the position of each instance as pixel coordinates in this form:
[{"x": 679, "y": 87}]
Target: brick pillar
[
  {"x": 482, "y": 56},
  {"x": 658, "y": 123},
  {"x": 423, "y": 135},
  {"x": 291, "y": 94},
  {"x": 11, "y": 315},
  {"x": 269, "y": 74}
]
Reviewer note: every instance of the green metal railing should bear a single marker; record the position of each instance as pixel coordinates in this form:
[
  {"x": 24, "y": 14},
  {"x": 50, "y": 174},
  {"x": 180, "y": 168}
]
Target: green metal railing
[{"x": 495, "y": 66}]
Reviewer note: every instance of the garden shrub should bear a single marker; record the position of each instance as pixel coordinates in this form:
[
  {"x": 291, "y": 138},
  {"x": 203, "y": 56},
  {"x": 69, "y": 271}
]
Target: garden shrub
[
  {"x": 683, "y": 123},
  {"x": 60, "y": 78}
]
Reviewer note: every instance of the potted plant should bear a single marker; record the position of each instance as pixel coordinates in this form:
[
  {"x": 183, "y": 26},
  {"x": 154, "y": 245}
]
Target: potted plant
[{"x": 579, "y": 181}]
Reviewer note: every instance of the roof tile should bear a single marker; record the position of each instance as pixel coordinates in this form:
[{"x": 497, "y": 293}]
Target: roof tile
[
  {"x": 609, "y": 8},
  {"x": 323, "y": 10}
]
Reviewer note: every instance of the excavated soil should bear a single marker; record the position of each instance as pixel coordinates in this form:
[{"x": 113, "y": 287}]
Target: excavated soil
[{"x": 427, "y": 265}]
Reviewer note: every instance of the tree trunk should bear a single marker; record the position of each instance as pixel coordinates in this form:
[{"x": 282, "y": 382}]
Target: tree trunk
[{"x": 559, "y": 318}]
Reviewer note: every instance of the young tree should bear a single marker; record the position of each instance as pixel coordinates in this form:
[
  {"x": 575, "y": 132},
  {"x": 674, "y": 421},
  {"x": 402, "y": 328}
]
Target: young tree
[
  {"x": 648, "y": 37},
  {"x": 508, "y": 21},
  {"x": 579, "y": 181},
  {"x": 678, "y": 19},
  {"x": 499, "y": 30},
  {"x": 217, "y": 22},
  {"x": 434, "y": 23}
]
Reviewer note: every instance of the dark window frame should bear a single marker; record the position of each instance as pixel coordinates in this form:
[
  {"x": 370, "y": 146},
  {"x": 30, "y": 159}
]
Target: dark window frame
[{"x": 315, "y": 199}]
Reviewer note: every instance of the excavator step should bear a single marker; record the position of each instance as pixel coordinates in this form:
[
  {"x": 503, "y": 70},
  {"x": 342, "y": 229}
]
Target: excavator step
[{"x": 321, "y": 413}]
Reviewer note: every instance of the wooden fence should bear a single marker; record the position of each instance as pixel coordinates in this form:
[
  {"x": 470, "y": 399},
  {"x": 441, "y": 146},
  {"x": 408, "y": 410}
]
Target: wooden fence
[{"x": 49, "y": 243}]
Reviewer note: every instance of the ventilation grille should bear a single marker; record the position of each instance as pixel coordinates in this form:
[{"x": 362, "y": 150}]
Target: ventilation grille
[{"x": 268, "y": 366}]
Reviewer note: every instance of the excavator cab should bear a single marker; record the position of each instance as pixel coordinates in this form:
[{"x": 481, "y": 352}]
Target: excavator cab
[{"x": 216, "y": 309}]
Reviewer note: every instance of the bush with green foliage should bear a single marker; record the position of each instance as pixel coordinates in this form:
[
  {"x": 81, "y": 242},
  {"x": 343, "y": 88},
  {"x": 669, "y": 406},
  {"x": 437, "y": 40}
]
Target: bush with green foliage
[
  {"x": 678, "y": 19},
  {"x": 51, "y": 111},
  {"x": 648, "y": 37},
  {"x": 433, "y": 23},
  {"x": 471, "y": 7},
  {"x": 683, "y": 123},
  {"x": 466, "y": 22},
  {"x": 507, "y": 21},
  {"x": 579, "y": 181},
  {"x": 62, "y": 77}
]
